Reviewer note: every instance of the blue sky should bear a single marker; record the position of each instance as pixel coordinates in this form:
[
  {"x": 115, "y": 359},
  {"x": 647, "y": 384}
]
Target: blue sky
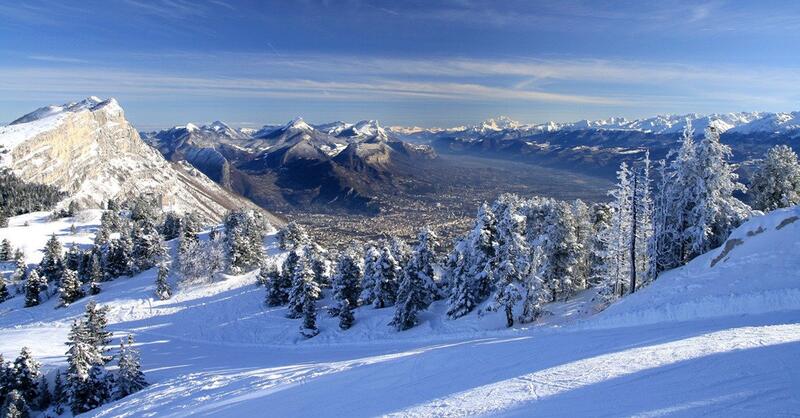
[{"x": 403, "y": 62}]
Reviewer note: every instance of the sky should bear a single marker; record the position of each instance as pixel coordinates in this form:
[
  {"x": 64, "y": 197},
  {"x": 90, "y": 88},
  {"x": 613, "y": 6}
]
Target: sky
[{"x": 416, "y": 62}]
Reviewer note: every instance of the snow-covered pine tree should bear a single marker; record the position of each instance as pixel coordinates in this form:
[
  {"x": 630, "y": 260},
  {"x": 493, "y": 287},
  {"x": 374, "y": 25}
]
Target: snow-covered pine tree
[
  {"x": 70, "y": 288},
  {"x": 33, "y": 288},
  {"x": 617, "y": 239},
  {"x": 600, "y": 219},
  {"x": 400, "y": 250},
  {"x": 20, "y": 268},
  {"x": 5, "y": 250},
  {"x": 45, "y": 398},
  {"x": 717, "y": 212},
  {"x": 370, "y": 262},
  {"x": 52, "y": 264},
  {"x": 25, "y": 376},
  {"x": 509, "y": 291},
  {"x": 4, "y": 295},
  {"x": 130, "y": 378},
  {"x": 81, "y": 357},
  {"x": 386, "y": 272},
  {"x": 72, "y": 259},
  {"x": 14, "y": 406},
  {"x": 346, "y": 317},
  {"x": 216, "y": 255},
  {"x": 147, "y": 246},
  {"x": 562, "y": 251},
  {"x": 95, "y": 274},
  {"x": 60, "y": 395},
  {"x": 96, "y": 323},
  {"x": 304, "y": 287},
  {"x": 163, "y": 289},
  {"x": 776, "y": 180},
  {"x": 244, "y": 234},
  {"x": 584, "y": 232},
  {"x": 277, "y": 284},
  {"x": 119, "y": 261},
  {"x": 471, "y": 265},
  {"x": 417, "y": 287},
  {"x": 320, "y": 263},
  {"x": 643, "y": 245},
  {"x": 309, "y": 328},
  {"x": 171, "y": 228},
  {"x": 665, "y": 234},
  {"x": 93, "y": 391},
  {"x": 291, "y": 236},
  {"x": 535, "y": 293},
  {"x": 347, "y": 281},
  {"x": 5, "y": 377}
]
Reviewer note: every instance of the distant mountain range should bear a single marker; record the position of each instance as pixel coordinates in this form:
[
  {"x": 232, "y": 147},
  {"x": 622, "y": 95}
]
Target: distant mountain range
[
  {"x": 90, "y": 150},
  {"x": 336, "y": 165}
]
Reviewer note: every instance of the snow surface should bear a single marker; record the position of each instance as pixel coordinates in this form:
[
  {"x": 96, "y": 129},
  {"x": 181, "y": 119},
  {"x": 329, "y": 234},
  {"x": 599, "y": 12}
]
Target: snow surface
[{"x": 702, "y": 340}]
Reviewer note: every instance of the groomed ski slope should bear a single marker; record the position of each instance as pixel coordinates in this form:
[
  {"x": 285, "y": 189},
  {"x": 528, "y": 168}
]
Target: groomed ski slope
[{"x": 721, "y": 340}]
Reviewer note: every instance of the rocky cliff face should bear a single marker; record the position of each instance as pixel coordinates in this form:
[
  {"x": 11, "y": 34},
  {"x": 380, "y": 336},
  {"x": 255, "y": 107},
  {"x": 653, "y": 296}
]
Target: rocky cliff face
[{"x": 90, "y": 150}]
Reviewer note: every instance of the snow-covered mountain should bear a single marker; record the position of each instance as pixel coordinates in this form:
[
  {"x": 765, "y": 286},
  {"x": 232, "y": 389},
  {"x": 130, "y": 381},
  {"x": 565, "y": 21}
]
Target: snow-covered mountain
[
  {"x": 719, "y": 336},
  {"x": 742, "y": 122},
  {"x": 90, "y": 150}
]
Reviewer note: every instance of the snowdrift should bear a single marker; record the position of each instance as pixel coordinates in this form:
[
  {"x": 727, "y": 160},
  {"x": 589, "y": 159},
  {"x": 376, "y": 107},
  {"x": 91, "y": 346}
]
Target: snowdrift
[{"x": 757, "y": 270}]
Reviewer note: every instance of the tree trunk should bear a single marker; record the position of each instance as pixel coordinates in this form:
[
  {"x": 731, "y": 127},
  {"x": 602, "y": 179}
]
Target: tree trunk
[{"x": 509, "y": 317}]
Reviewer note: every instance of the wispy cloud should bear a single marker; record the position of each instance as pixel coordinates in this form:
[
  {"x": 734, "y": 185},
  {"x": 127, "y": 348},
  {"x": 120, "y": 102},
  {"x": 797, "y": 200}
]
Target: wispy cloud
[
  {"x": 587, "y": 82},
  {"x": 52, "y": 58}
]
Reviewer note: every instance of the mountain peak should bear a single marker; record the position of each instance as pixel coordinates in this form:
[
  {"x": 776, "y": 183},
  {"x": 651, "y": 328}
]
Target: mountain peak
[{"x": 298, "y": 123}]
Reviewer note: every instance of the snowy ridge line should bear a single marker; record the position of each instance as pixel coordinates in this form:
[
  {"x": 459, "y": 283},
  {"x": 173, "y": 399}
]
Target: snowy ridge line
[{"x": 505, "y": 395}]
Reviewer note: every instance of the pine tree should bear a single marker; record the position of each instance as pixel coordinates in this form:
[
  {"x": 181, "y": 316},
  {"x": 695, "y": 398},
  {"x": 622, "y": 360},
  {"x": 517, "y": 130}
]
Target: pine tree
[
  {"x": 277, "y": 284},
  {"x": 119, "y": 261},
  {"x": 346, "y": 317},
  {"x": 309, "y": 328},
  {"x": 616, "y": 240},
  {"x": 507, "y": 296},
  {"x": 5, "y": 250},
  {"x": 25, "y": 372},
  {"x": 5, "y": 377},
  {"x": 387, "y": 270},
  {"x": 172, "y": 226},
  {"x": 304, "y": 287},
  {"x": 96, "y": 324},
  {"x": 33, "y": 288},
  {"x": 130, "y": 378},
  {"x": 146, "y": 248},
  {"x": 291, "y": 236},
  {"x": 70, "y": 288},
  {"x": 561, "y": 250},
  {"x": 4, "y": 295},
  {"x": 717, "y": 211},
  {"x": 370, "y": 262},
  {"x": 45, "y": 398},
  {"x": 60, "y": 395},
  {"x": 776, "y": 180},
  {"x": 471, "y": 265},
  {"x": 52, "y": 264},
  {"x": 92, "y": 392},
  {"x": 82, "y": 359},
  {"x": 347, "y": 281},
  {"x": 14, "y": 406},
  {"x": 20, "y": 267},
  {"x": 417, "y": 288},
  {"x": 535, "y": 292},
  {"x": 601, "y": 222},
  {"x": 244, "y": 235},
  {"x": 215, "y": 256},
  {"x": 3, "y": 218},
  {"x": 163, "y": 290},
  {"x": 72, "y": 259}
]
